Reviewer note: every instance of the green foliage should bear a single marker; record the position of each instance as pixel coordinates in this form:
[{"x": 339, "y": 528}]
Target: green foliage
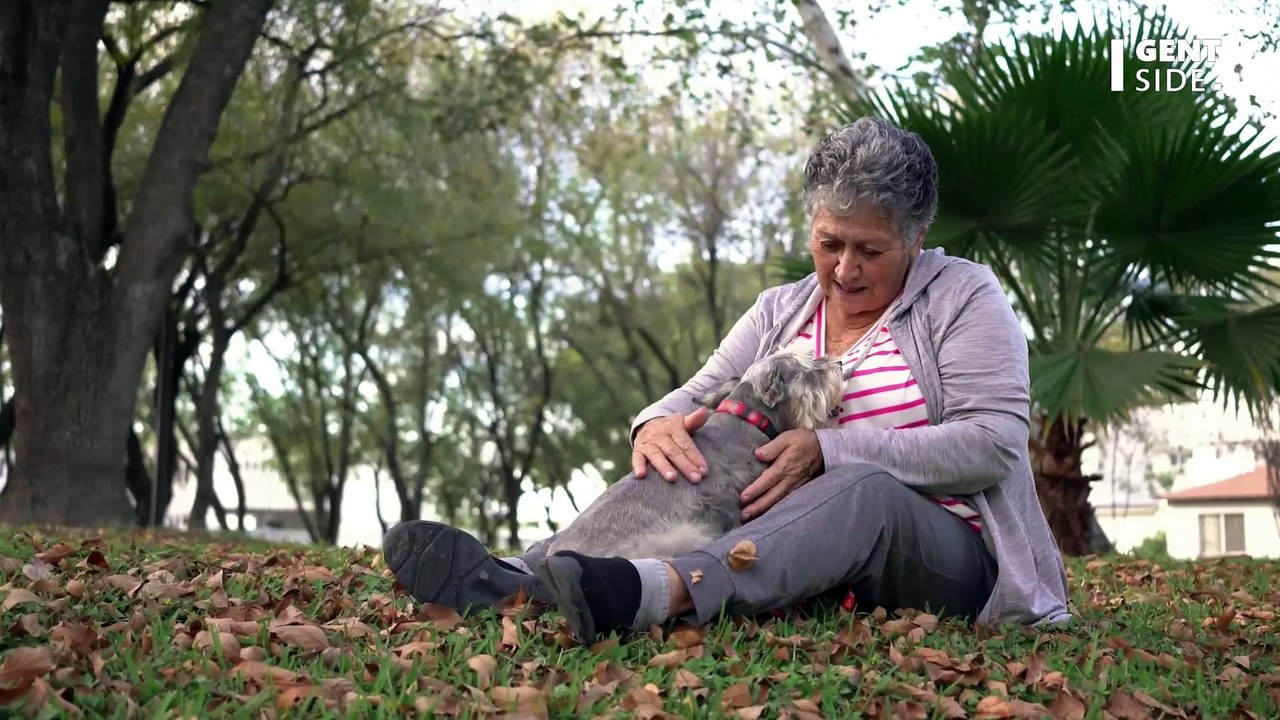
[{"x": 1154, "y": 548}]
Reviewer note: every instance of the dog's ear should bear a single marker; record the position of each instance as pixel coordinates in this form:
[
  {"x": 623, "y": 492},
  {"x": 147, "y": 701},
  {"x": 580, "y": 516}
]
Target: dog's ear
[
  {"x": 716, "y": 395},
  {"x": 771, "y": 389}
]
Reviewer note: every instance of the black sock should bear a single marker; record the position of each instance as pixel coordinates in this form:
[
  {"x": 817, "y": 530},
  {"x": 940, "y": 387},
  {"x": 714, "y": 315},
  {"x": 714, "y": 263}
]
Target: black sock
[{"x": 611, "y": 587}]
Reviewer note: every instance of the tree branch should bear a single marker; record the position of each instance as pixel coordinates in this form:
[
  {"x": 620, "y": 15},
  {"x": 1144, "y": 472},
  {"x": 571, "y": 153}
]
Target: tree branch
[
  {"x": 31, "y": 33},
  {"x": 160, "y": 220},
  {"x": 82, "y": 126}
]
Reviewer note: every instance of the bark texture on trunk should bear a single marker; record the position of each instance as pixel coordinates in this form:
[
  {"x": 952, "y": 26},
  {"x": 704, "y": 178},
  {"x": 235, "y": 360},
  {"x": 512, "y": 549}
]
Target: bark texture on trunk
[
  {"x": 71, "y": 441},
  {"x": 207, "y": 423},
  {"x": 1064, "y": 489},
  {"x": 78, "y": 331}
]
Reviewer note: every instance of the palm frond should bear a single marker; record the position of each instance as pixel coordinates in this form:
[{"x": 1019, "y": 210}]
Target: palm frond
[
  {"x": 1102, "y": 385},
  {"x": 1241, "y": 350}
]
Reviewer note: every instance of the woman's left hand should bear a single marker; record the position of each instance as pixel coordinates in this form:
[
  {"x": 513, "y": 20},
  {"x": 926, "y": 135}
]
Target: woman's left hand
[{"x": 795, "y": 458}]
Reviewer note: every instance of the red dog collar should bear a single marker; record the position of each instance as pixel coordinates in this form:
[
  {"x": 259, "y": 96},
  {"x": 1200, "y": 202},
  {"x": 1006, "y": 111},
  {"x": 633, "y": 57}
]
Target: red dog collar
[{"x": 752, "y": 417}]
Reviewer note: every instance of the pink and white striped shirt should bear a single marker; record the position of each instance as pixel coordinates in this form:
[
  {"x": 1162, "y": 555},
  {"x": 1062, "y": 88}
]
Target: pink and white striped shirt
[{"x": 881, "y": 394}]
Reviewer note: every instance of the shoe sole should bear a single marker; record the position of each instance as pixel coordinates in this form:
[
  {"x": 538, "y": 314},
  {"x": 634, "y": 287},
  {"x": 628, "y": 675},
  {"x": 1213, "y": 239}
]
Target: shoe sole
[
  {"x": 562, "y": 579},
  {"x": 443, "y": 565}
]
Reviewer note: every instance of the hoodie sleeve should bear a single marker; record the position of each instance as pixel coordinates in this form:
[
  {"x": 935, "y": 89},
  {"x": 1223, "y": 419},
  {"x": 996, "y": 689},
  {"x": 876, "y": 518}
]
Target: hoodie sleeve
[
  {"x": 730, "y": 360},
  {"x": 985, "y": 388}
]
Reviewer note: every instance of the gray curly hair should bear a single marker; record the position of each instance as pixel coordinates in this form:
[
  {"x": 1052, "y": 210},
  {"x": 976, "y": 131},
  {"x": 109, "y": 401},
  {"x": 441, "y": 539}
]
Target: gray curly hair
[{"x": 876, "y": 163}]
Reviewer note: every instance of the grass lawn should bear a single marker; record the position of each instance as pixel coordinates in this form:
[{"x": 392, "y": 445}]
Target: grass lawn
[{"x": 153, "y": 626}]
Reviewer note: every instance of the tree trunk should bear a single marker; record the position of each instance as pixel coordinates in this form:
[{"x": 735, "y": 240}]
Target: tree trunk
[
  {"x": 1064, "y": 490},
  {"x": 73, "y": 420},
  {"x": 138, "y": 479},
  {"x": 233, "y": 466},
  {"x": 207, "y": 419},
  {"x": 79, "y": 330}
]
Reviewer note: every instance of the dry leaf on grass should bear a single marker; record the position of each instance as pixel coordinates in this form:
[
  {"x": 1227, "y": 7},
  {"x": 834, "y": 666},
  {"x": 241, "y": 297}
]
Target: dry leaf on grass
[
  {"x": 24, "y": 664},
  {"x": 443, "y": 618},
  {"x": 307, "y": 637},
  {"x": 76, "y": 588},
  {"x": 510, "y": 635},
  {"x": 226, "y": 643},
  {"x": 676, "y": 658},
  {"x": 485, "y": 666},
  {"x": 521, "y": 699},
  {"x": 687, "y": 636},
  {"x": 995, "y": 707},
  {"x": 19, "y": 596},
  {"x": 737, "y": 695}
]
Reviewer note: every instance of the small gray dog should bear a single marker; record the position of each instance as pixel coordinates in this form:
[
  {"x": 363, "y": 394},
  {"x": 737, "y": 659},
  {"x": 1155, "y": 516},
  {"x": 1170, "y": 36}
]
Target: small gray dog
[{"x": 652, "y": 518}]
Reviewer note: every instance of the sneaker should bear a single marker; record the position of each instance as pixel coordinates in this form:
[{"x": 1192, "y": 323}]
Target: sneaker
[{"x": 443, "y": 565}]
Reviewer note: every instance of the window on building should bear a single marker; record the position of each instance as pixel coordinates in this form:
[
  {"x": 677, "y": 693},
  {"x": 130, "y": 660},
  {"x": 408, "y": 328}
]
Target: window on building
[{"x": 1221, "y": 533}]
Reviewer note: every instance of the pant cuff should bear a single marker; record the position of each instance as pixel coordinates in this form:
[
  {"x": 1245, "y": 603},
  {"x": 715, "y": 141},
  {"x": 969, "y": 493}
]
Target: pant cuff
[{"x": 710, "y": 585}]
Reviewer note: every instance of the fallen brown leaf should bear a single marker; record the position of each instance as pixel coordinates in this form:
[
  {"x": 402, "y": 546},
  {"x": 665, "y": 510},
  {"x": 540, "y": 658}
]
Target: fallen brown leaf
[
  {"x": 686, "y": 680},
  {"x": 444, "y": 618},
  {"x": 37, "y": 570},
  {"x": 675, "y": 658},
  {"x": 257, "y": 670},
  {"x": 226, "y": 643},
  {"x": 307, "y": 637},
  {"x": 76, "y": 588},
  {"x": 55, "y": 554},
  {"x": 687, "y": 636},
  {"x": 96, "y": 559},
  {"x": 1067, "y": 706},
  {"x": 25, "y": 664},
  {"x": 19, "y": 596},
  {"x": 1123, "y": 706},
  {"x": 128, "y": 583},
  {"x": 293, "y": 693},
  {"x": 743, "y": 555},
  {"x": 523, "y": 699},
  {"x": 485, "y": 666},
  {"x": 736, "y": 696},
  {"x": 29, "y": 625},
  {"x": 510, "y": 635},
  {"x": 993, "y": 707}
]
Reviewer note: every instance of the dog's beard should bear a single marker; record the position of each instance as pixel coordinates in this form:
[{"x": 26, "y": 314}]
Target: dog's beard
[{"x": 813, "y": 405}]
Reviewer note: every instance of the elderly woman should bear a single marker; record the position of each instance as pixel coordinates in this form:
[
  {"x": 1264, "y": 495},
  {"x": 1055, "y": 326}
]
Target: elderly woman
[{"x": 921, "y": 495}]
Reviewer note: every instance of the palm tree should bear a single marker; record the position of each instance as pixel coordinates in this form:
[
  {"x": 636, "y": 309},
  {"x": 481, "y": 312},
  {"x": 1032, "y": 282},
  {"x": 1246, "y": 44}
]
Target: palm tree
[{"x": 1147, "y": 217}]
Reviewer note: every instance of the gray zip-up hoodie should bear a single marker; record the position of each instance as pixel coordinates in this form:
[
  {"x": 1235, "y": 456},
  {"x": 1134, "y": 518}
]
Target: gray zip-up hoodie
[{"x": 966, "y": 349}]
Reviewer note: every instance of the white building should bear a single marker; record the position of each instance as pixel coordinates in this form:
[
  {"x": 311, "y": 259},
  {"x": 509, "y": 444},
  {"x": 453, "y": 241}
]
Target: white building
[
  {"x": 273, "y": 512},
  {"x": 1164, "y": 450},
  {"x": 1236, "y": 516}
]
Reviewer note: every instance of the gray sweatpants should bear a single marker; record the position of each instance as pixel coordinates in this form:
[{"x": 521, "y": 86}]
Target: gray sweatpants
[{"x": 855, "y": 526}]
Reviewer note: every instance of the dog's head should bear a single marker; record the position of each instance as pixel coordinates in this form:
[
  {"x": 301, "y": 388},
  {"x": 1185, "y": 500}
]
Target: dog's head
[{"x": 798, "y": 390}]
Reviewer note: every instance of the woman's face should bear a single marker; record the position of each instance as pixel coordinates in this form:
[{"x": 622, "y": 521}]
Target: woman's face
[{"x": 861, "y": 262}]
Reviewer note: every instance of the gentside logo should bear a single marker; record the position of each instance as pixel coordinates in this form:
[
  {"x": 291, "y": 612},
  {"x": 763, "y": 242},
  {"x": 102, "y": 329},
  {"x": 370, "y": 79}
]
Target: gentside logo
[{"x": 1203, "y": 52}]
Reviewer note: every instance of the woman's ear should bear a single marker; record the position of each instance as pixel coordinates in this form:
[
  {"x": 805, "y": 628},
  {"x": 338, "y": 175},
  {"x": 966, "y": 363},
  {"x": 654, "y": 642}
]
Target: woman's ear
[{"x": 918, "y": 245}]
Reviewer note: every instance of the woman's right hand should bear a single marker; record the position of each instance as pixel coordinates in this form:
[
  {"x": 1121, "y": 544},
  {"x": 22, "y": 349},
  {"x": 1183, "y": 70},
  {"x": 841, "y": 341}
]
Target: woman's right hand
[{"x": 666, "y": 443}]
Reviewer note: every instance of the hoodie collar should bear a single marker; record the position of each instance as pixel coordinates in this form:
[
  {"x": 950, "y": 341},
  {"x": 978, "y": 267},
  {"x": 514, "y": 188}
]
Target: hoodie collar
[{"x": 923, "y": 270}]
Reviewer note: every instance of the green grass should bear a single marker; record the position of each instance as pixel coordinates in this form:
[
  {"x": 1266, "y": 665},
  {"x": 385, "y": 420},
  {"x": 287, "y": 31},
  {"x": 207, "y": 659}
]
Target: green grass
[{"x": 165, "y": 625}]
